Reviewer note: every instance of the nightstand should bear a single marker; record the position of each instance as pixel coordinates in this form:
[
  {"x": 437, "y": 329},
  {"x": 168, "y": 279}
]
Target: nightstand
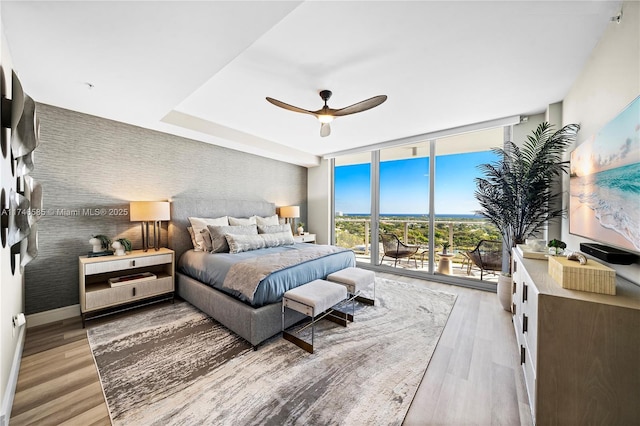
[
  {"x": 307, "y": 238},
  {"x": 143, "y": 276}
]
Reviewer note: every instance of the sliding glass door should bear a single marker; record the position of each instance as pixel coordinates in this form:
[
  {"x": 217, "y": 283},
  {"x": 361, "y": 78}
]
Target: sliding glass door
[
  {"x": 424, "y": 204},
  {"x": 404, "y": 203},
  {"x": 457, "y": 224}
]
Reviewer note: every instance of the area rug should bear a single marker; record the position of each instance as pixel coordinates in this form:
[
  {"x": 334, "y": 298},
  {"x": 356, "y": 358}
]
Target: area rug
[{"x": 173, "y": 365}]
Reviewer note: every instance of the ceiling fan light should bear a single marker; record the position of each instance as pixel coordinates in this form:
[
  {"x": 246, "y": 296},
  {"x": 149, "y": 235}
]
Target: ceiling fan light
[{"x": 325, "y": 118}]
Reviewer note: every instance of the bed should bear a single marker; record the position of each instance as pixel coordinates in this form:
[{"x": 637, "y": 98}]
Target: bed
[{"x": 254, "y": 318}]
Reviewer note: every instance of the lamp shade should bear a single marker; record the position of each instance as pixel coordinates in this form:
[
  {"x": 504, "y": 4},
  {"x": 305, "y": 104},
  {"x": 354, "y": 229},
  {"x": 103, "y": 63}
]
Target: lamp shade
[
  {"x": 290, "y": 211},
  {"x": 141, "y": 211}
]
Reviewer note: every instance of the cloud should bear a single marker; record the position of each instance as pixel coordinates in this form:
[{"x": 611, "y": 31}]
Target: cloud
[{"x": 625, "y": 149}]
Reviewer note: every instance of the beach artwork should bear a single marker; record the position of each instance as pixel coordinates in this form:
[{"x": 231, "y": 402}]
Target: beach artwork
[{"x": 605, "y": 183}]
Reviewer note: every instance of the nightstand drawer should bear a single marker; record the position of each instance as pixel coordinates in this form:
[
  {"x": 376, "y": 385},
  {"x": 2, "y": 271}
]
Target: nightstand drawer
[
  {"x": 112, "y": 296},
  {"x": 306, "y": 238},
  {"x": 124, "y": 264}
]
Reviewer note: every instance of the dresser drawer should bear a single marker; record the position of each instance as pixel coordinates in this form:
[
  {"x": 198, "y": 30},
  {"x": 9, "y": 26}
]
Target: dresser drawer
[
  {"x": 529, "y": 314},
  {"x": 530, "y": 379},
  {"x": 124, "y": 264},
  {"x": 112, "y": 296}
]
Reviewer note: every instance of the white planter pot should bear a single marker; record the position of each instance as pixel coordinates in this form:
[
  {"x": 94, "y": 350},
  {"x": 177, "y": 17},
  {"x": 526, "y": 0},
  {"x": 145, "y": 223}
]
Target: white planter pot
[
  {"x": 96, "y": 244},
  {"x": 505, "y": 292}
]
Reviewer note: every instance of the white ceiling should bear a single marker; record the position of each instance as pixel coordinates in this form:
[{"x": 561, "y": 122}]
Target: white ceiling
[{"x": 203, "y": 69}]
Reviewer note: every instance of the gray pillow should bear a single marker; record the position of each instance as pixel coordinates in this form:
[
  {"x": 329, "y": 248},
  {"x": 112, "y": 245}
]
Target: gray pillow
[
  {"x": 276, "y": 239},
  {"x": 200, "y": 223},
  {"x": 270, "y": 229},
  {"x": 239, "y": 243},
  {"x": 219, "y": 242},
  {"x": 206, "y": 240}
]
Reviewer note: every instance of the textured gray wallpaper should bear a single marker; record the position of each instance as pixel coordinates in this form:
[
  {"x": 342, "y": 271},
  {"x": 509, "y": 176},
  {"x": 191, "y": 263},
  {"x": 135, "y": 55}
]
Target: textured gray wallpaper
[{"x": 86, "y": 163}]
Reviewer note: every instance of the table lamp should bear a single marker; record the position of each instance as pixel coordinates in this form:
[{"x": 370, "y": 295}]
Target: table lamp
[
  {"x": 289, "y": 213},
  {"x": 149, "y": 211}
]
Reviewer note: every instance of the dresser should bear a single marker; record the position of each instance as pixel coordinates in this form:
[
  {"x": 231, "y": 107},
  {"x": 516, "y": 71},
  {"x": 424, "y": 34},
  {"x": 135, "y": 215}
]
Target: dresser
[
  {"x": 580, "y": 351},
  {"x": 145, "y": 276}
]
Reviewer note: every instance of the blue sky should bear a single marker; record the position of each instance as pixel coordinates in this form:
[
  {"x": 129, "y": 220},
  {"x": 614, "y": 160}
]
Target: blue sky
[{"x": 404, "y": 185}]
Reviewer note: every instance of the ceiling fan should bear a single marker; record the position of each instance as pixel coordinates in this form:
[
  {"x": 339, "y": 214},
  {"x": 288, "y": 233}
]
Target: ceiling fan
[{"x": 326, "y": 115}]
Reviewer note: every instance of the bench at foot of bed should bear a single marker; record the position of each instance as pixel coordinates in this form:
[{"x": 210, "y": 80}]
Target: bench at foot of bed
[
  {"x": 356, "y": 280},
  {"x": 316, "y": 300}
]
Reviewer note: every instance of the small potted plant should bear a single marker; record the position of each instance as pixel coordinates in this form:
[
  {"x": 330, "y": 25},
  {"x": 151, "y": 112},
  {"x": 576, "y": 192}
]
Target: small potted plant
[
  {"x": 445, "y": 246},
  {"x": 556, "y": 246},
  {"x": 126, "y": 243},
  {"x": 100, "y": 243},
  {"x": 121, "y": 246},
  {"x": 300, "y": 228}
]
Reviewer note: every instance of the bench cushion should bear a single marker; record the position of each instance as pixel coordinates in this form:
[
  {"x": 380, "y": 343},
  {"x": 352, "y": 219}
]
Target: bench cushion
[
  {"x": 355, "y": 279},
  {"x": 319, "y": 294}
]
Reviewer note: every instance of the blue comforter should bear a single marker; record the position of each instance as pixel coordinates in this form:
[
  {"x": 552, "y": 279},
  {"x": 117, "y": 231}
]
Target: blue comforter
[{"x": 212, "y": 268}]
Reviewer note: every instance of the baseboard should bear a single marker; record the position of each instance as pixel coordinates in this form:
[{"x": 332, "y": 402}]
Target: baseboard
[
  {"x": 53, "y": 315},
  {"x": 10, "y": 391}
]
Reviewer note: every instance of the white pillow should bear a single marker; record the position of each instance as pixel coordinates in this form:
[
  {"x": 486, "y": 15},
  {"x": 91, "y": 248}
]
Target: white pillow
[
  {"x": 218, "y": 235},
  {"x": 200, "y": 223},
  {"x": 238, "y": 221},
  {"x": 267, "y": 220}
]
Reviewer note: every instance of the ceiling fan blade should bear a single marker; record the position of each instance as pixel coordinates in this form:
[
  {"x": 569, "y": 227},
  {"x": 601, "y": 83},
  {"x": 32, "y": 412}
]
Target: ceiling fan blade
[
  {"x": 361, "y": 106},
  {"x": 325, "y": 130},
  {"x": 289, "y": 107}
]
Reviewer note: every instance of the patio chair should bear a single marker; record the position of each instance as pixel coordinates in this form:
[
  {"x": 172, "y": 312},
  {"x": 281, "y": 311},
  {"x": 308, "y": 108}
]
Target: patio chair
[
  {"x": 487, "y": 256},
  {"x": 396, "y": 249}
]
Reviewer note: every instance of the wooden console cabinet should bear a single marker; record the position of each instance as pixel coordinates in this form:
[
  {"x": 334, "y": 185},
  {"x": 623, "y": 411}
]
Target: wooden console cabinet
[
  {"x": 97, "y": 296},
  {"x": 580, "y": 351}
]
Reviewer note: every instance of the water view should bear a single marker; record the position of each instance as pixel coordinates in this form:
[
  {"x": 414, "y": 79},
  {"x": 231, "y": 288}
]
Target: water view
[{"x": 404, "y": 206}]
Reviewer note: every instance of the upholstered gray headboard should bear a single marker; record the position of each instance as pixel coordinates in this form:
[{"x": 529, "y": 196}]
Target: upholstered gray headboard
[{"x": 182, "y": 208}]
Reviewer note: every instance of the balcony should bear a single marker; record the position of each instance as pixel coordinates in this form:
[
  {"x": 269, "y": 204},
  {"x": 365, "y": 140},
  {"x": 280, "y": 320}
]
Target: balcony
[{"x": 462, "y": 236}]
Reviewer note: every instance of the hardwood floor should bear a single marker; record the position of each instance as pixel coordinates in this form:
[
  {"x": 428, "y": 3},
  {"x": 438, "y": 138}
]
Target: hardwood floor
[
  {"x": 58, "y": 382},
  {"x": 474, "y": 376}
]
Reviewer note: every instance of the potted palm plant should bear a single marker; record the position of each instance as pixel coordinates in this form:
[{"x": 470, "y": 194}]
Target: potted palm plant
[{"x": 517, "y": 194}]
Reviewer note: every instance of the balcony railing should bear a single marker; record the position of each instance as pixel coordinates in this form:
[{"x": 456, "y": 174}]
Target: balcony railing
[
  {"x": 462, "y": 236},
  {"x": 416, "y": 232}
]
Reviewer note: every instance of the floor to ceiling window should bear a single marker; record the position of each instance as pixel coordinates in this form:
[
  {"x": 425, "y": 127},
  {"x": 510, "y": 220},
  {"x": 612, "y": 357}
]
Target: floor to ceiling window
[
  {"x": 396, "y": 182},
  {"x": 352, "y": 202},
  {"x": 457, "y": 223},
  {"x": 404, "y": 203}
]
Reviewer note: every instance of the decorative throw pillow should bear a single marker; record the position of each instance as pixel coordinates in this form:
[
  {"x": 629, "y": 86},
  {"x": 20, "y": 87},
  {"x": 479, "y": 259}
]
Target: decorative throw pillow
[
  {"x": 238, "y": 221},
  {"x": 193, "y": 239},
  {"x": 239, "y": 243},
  {"x": 278, "y": 239},
  {"x": 270, "y": 229},
  {"x": 200, "y": 223},
  {"x": 219, "y": 242},
  {"x": 268, "y": 220},
  {"x": 206, "y": 239}
]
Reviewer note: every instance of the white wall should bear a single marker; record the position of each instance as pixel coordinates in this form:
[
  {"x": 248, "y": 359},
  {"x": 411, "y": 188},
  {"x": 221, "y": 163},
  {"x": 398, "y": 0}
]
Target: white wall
[
  {"x": 319, "y": 201},
  {"x": 609, "y": 81},
  {"x": 11, "y": 286}
]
